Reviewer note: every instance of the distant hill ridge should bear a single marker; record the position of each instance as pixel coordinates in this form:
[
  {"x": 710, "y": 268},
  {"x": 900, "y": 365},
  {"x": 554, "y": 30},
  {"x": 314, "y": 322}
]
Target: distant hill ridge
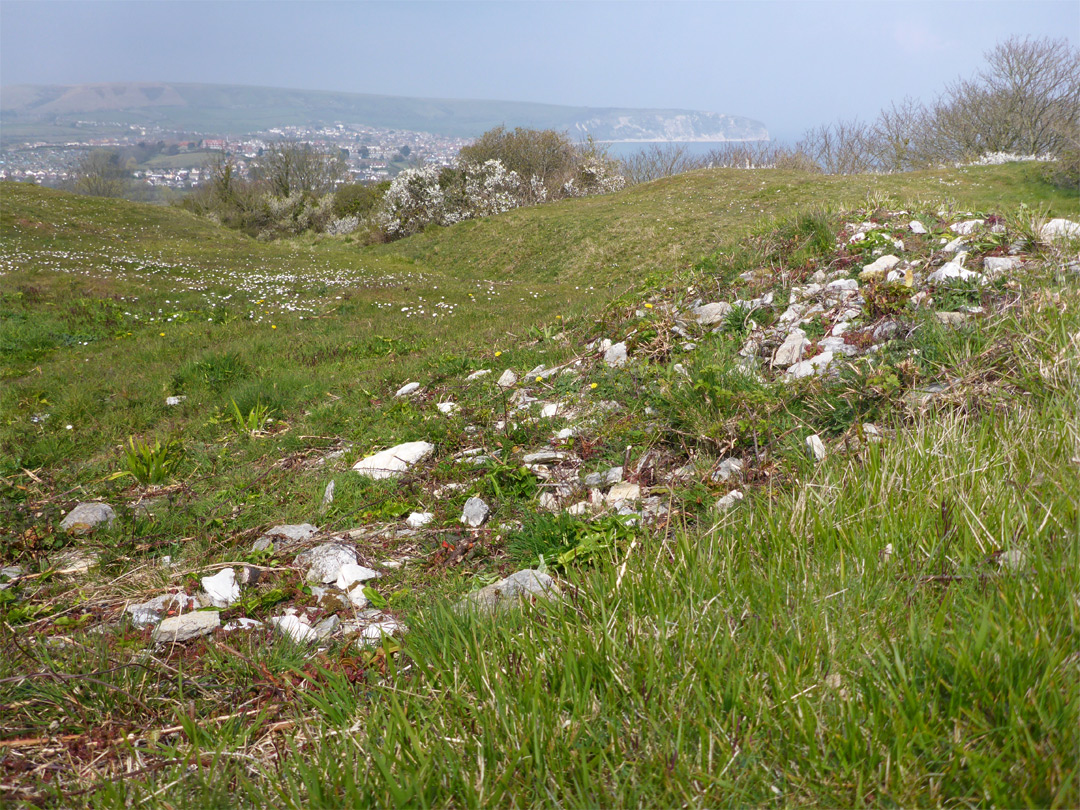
[{"x": 225, "y": 109}]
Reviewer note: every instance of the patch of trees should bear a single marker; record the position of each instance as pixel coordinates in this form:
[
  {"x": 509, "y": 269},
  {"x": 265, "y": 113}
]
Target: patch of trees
[
  {"x": 291, "y": 190},
  {"x": 101, "y": 174},
  {"x": 298, "y": 188},
  {"x": 501, "y": 170}
]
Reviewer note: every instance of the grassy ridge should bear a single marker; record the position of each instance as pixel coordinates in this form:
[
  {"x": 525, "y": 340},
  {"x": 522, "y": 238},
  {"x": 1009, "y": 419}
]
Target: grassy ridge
[{"x": 894, "y": 625}]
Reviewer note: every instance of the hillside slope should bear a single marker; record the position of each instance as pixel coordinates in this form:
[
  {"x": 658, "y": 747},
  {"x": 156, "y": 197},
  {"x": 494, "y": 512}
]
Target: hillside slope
[
  {"x": 225, "y": 109},
  {"x": 794, "y": 531}
]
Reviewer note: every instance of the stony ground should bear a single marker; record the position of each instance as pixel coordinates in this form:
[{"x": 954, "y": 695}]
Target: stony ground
[{"x": 685, "y": 407}]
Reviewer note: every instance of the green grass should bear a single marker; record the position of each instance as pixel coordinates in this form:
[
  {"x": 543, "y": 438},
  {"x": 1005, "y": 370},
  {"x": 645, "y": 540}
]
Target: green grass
[
  {"x": 185, "y": 160},
  {"x": 845, "y": 636}
]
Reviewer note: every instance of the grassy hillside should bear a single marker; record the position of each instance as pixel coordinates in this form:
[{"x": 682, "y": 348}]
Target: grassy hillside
[
  {"x": 893, "y": 624},
  {"x": 49, "y": 111}
]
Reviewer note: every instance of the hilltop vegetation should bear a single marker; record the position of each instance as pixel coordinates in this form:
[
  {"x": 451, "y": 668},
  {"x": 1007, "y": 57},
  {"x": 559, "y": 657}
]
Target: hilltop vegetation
[{"x": 888, "y": 621}]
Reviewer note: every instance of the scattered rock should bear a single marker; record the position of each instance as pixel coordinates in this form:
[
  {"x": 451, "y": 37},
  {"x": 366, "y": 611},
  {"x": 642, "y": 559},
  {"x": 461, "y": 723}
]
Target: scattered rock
[
  {"x": 221, "y": 589},
  {"x": 9, "y": 575},
  {"x": 376, "y": 631},
  {"x": 528, "y": 584},
  {"x": 87, "y": 516},
  {"x": 837, "y": 345},
  {"x": 727, "y": 469},
  {"x": 249, "y": 575},
  {"x": 951, "y": 318},
  {"x": 327, "y": 627},
  {"x": 241, "y": 623},
  {"x": 188, "y": 626},
  {"x": 74, "y": 561},
  {"x": 418, "y": 520},
  {"x": 729, "y": 500},
  {"x": 623, "y": 491},
  {"x": 957, "y": 245},
  {"x": 295, "y": 627},
  {"x": 507, "y": 380},
  {"x": 351, "y": 574},
  {"x": 448, "y": 408},
  {"x": 879, "y": 267},
  {"x": 475, "y": 512},
  {"x": 289, "y": 534},
  {"x": 476, "y": 375},
  {"x": 608, "y": 478},
  {"x": 615, "y": 356},
  {"x": 996, "y": 265},
  {"x": 966, "y": 228},
  {"x": 325, "y": 561},
  {"x": 791, "y": 350},
  {"x": 357, "y": 598},
  {"x": 544, "y": 457},
  {"x": 917, "y": 227},
  {"x": 954, "y": 271},
  {"x": 328, "y": 495},
  {"x": 886, "y": 330},
  {"x": 808, "y": 368},
  {"x": 174, "y": 401},
  {"x": 408, "y": 389},
  {"x": 394, "y": 461},
  {"x": 815, "y": 447},
  {"x": 150, "y": 612},
  {"x": 1057, "y": 229},
  {"x": 841, "y": 285},
  {"x": 710, "y": 314}
]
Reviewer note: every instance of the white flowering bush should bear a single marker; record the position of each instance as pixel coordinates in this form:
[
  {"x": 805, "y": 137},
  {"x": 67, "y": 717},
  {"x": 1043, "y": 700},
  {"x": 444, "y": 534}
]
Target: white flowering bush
[
  {"x": 595, "y": 175},
  {"x": 430, "y": 196},
  {"x": 281, "y": 209},
  {"x": 538, "y": 189},
  {"x": 491, "y": 189},
  {"x": 342, "y": 226},
  {"x": 415, "y": 199}
]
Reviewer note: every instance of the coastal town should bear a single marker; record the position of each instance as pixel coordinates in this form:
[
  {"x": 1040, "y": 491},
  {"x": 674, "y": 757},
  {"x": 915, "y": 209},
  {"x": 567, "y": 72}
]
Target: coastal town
[{"x": 176, "y": 160}]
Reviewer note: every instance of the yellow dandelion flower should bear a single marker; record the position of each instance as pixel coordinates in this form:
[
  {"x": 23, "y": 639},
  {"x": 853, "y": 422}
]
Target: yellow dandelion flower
[
  {"x": 498, "y": 354},
  {"x": 273, "y": 326},
  {"x": 648, "y": 306},
  {"x": 539, "y": 379},
  {"x": 162, "y": 334},
  {"x": 592, "y": 385}
]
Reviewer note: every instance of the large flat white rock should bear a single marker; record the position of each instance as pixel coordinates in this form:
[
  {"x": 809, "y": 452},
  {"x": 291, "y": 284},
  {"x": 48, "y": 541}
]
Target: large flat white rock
[{"x": 394, "y": 461}]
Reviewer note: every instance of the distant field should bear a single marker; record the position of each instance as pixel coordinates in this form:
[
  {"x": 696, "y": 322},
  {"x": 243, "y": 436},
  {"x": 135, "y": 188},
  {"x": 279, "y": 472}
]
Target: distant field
[{"x": 184, "y": 160}]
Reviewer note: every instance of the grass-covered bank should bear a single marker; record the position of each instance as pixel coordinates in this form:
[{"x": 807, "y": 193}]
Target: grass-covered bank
[
  {"x": 894, "y": 624},
  {"x": 782, "y": 656}
]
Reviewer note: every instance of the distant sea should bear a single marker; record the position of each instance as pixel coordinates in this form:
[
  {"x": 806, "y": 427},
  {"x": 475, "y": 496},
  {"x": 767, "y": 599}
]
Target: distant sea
[{"x": 621, "y": 149}]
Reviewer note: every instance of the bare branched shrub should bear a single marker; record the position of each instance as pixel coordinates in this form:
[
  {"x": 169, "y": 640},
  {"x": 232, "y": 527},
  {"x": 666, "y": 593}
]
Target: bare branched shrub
[
  {"x": 896, "y": 141},
  {"x": 291, "y": 166},
  {"x": 659, "y": 160},
  {"x": 100, "y": 174},
  {"x": 1025, "y": 100},
  {"x": 843, "y": 147},
  {"x": 757, "y": 155}
]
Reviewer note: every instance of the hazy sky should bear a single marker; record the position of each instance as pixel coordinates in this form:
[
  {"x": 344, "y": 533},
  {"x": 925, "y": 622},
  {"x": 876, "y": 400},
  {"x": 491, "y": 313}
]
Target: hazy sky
[{"x": 788, "y": 64}]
